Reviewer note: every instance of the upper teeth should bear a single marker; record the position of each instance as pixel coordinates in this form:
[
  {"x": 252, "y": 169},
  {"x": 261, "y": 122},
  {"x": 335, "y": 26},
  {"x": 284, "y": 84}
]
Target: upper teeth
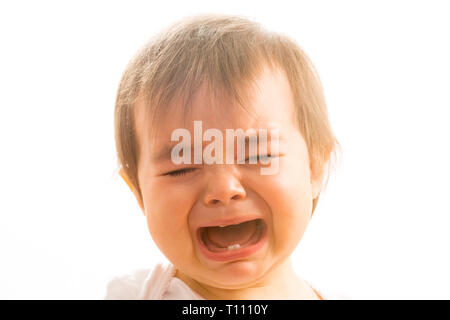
[
  {"x": 234, "y": 246},
  {"x": 221, "y": 226}
]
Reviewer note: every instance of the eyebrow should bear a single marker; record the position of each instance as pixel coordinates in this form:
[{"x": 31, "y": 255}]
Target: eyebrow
[{"x": 165, "y": 153}]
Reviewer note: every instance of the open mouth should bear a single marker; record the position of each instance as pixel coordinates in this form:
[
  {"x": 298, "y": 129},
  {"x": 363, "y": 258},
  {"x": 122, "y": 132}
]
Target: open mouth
[{"x": 232, "y": 241}]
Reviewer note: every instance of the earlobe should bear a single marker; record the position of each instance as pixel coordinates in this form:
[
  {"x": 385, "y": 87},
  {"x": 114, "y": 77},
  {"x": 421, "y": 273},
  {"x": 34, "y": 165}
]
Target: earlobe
[
  {"x": 130, "y": 185},
  {"x": 315, "y": 189},
  {"x": 125, "y": 178},
  {"x": 316, "y": 185}
]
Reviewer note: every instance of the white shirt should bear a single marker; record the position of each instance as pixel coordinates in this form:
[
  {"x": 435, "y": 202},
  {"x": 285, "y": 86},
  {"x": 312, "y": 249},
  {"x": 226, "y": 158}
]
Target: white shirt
[{"x": 161, "y": 284}]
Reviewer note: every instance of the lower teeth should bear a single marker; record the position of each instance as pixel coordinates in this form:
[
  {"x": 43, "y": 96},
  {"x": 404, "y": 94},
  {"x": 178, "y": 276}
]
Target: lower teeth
[{"x": 234, "y": 246}]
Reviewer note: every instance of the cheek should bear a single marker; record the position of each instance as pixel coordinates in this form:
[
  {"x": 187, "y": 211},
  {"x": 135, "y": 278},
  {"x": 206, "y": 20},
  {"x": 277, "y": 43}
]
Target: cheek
[
  {"x": 167, "y": 216},
  {"x": 290, "y": 189},
  {"x": 288, "y": 194}
]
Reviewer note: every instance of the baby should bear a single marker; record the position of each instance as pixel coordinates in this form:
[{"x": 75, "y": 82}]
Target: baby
[{"x": 201, "y": 87}]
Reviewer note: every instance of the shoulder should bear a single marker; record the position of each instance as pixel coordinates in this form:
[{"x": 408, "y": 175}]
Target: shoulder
[
  {"x": 327, "y": 294},
  {"x": 140, "y": 284}
]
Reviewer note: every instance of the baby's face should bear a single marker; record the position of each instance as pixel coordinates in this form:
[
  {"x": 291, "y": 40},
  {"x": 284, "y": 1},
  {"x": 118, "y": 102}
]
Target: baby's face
[{"x": 185, "y": 204}]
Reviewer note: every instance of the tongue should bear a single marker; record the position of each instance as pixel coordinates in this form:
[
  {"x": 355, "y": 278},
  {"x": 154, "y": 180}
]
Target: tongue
[{"x": 233, "y": 234}]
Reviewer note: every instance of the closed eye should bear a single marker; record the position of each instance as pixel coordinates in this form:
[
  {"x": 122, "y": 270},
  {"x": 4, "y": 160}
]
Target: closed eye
[
  {"x": 180, "y": 172},
  {"x": 264, "y": 157}
]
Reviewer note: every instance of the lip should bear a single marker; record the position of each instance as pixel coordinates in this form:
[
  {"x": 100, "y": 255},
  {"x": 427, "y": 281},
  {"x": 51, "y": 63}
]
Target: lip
[
  {"x": 230, "y": 255},
  {"x": 226, "y": 222}
]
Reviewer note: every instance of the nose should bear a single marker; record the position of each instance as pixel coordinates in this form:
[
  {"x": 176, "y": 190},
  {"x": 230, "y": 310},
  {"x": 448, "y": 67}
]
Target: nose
[{"x": 222, "y": 188}]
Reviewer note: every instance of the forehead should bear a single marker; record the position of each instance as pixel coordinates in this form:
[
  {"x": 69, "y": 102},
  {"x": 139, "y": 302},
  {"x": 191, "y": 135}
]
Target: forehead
[{"x": 271, "y": 105}]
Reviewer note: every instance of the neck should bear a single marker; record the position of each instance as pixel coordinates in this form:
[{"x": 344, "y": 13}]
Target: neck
[{"x": 279, "y": 284}]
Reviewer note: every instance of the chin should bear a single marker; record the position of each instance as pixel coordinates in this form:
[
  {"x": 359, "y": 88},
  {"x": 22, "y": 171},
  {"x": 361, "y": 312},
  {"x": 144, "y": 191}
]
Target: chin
[{"x": 238, "y": 274}]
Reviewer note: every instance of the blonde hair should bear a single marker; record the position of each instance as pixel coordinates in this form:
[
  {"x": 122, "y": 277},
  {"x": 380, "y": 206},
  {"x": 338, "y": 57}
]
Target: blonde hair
[{"x": 228, "y": 53}]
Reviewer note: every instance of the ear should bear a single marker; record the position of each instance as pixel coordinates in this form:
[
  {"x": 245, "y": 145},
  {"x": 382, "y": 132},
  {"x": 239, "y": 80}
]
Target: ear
[
  {"x": 316, "y": 182},
  {"x": 316, "y": 188},
  {"x": 132, "y": 188}
]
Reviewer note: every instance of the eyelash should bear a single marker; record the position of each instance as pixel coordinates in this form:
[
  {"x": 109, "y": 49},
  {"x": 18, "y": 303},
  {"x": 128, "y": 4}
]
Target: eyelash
[
  {"x": 183, "y": 172},
  {"x": 261, "y": 156}
]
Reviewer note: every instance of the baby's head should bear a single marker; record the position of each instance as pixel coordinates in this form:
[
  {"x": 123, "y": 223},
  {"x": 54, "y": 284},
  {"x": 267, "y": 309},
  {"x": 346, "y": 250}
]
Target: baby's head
[{"x": 223, "y": 224}]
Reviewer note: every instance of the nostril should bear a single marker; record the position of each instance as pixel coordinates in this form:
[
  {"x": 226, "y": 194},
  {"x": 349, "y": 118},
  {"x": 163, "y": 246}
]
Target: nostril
[
  {"x": 236, "y": 197},
  {"x": 225, "y": 200}
]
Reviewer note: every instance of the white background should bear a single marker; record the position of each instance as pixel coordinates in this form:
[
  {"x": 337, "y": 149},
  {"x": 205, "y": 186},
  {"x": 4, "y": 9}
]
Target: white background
[{"x": 68, "y": 223}]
